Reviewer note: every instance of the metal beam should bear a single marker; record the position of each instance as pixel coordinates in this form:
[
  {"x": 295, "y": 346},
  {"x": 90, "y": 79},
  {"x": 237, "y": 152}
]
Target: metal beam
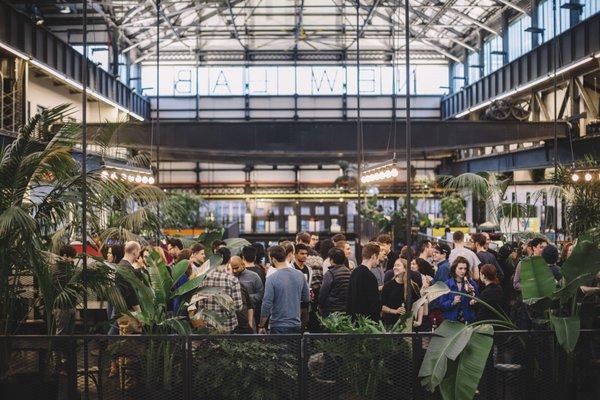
[
  {"x": 151, "y": 50},
  {"x": 366, "y": 21},
  {"x": 293, "y": 141},
  {"x": 513, "y": 6},
  {"x": 236, "y": 33},
  {"x": 530, "y": 158},
  {"x": 440, "y": 49},
  {"x": 587, "y": 100},
  {"x": 474, "y": 21}
]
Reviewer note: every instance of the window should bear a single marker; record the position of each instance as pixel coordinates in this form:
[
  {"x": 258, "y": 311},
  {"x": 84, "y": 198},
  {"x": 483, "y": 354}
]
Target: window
[
  {"x": 123, "y": 68},
  {"x": 474, "y": 67},
  {"x": 492, "y": 54},
  {"x": 590, "y": 8},
  {"x": 519, "y": 41},
  {"x": 458, "y": 76},
  {"x": 97, "y": 53},
  {"x": 180, "y": 80},
  {"x": 546, "y": 18}
]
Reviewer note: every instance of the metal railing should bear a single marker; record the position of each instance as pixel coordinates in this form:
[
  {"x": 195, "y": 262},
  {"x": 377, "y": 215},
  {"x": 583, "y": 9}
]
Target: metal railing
[
  {"x": 575, "y": 44},
  {"x": 20, "y": 32},
  {"x": 522, "y": 365}
]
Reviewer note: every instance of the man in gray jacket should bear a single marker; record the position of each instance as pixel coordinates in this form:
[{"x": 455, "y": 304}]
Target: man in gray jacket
[{"x": 250, "y": 280}]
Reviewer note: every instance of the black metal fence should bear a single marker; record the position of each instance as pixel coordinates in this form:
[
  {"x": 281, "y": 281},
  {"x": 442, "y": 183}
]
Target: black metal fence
[{"x": 522, "y": 365}]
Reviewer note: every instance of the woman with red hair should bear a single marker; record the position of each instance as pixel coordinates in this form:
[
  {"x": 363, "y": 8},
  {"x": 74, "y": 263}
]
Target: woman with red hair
[{"x": 492, "y": 293}]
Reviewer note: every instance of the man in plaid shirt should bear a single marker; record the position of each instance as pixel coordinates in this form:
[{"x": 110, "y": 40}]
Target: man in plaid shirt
[{"x": 229, "y": 285}]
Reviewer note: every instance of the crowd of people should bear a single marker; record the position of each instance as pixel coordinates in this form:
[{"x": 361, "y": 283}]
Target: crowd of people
[{"x": 286, "y": 287}]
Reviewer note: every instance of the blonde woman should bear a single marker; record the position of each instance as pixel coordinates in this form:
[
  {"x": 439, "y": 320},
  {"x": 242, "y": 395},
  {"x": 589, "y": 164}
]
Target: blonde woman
[{"x": 398, "y": 296}]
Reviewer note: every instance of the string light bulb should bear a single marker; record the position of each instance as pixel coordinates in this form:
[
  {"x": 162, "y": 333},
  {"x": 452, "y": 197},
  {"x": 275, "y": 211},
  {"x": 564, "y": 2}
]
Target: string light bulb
[
  {"x": 587, "y": 177},
  {"x": 126, "y": 173},
  {"x": 575, "y": 178},
  {"x": 380, "y": 172}
]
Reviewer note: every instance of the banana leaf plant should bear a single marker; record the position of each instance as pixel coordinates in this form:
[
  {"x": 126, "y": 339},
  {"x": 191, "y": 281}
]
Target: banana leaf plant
[
  {"x": 159, "y": 362},
  {"x": 457, "y": 354},
  {"x": 538, "y": 286},
  {"x": 155, "y": 297}
]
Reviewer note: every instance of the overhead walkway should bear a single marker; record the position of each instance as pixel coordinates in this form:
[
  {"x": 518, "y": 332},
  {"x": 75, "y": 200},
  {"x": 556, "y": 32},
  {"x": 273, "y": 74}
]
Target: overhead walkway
[{"x": 578, "y": 51}]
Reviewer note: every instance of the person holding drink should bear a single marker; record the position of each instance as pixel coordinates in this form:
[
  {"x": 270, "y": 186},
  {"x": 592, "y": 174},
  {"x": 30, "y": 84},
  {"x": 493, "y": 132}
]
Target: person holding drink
[{"x": 456, "y": 307}]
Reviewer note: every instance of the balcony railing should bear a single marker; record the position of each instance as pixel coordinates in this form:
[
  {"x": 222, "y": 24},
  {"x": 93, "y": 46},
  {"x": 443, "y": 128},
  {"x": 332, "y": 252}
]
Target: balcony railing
[
  {"x": 574, "y": 45},
  {"x": 21, "y": 33}
]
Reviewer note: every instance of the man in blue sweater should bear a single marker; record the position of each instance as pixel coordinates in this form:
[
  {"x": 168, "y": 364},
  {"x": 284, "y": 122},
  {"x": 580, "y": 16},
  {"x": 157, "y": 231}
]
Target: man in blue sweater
[{"x": 286, "y": 299}]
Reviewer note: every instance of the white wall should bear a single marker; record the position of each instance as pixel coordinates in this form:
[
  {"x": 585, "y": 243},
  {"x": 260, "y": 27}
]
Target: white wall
[{"x": 46, "y": 92}]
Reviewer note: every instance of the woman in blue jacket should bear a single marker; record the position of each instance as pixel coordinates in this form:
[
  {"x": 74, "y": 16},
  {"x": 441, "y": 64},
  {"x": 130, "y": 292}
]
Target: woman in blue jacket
[{"x": 456, "y": 307}]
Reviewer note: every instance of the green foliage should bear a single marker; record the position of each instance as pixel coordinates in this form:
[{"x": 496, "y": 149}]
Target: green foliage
[
  {"x": 490, "y": 188},
  {"x": 155, "y": 299},
  {"x": 582, "y": 198},
  {"x": 338, "y": 322},
  {"x": 567, "y": 331},
  {"x": 584, "y": 259},
  {"x": 208, "y": 237},
  {"x": 456, "y": 356},
  {"x": 180, "y": 211},
  {"x": 392, "y": 221},
  {"x": 161, "y": 367},
  {"x": 40, "y": 208},
  {"x": 244, "y": 369},
  {"x": 466, "y": 370},
  {"x": 363, "y": 364},
  {"x": 537, "y": 281},
  {"x": 453, "y": 210}
]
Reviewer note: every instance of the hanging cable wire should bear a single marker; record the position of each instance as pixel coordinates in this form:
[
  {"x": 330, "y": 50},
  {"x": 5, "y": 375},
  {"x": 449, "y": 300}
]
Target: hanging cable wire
[
  {"x": 158, "y": 106},
  {"x": 84, "y": 79},
  {"x": 555, "y": 115},
  {"x": 408, "y": 121},
  {"x": 359, "y": 144},
  {"x": 394, "y": 46}
]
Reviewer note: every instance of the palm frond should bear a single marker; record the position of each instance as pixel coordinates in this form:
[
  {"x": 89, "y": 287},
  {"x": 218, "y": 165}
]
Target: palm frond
[
  {"x": 477, "y": 183},
  {"x": 550, "y": 192},
  {"x": 15, "y": 219}
]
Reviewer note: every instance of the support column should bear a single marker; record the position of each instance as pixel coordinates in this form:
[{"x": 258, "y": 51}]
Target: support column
[
  {"x": 505, "y": 42},
  {"x": 535, "y": 37},
  {"x": 466, "y": 66}
]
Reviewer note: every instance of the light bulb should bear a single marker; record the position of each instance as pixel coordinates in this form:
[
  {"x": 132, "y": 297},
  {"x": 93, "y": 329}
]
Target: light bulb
[
  {"x": 144, "y": 180},
  {"x": 138, "y": 179},
  {"x": 113, "y": 176},
  {"x": 587, "y": 177},
  {"x": 104, "y": 174},
  {"x": 131, "y": 178},
  {"x": 151, "y": 180},
  {"x": 575, "y": 177},
  {"x": 394, "y": 172}
]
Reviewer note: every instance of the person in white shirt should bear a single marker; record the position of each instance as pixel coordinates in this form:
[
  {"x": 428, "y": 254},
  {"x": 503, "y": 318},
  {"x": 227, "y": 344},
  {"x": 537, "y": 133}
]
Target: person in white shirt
[{"x": 461, "y": 251}]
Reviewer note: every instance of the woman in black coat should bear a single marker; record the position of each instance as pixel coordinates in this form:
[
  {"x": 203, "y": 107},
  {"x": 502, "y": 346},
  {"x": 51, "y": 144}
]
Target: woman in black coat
[{"x": 492, "y": 294}]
